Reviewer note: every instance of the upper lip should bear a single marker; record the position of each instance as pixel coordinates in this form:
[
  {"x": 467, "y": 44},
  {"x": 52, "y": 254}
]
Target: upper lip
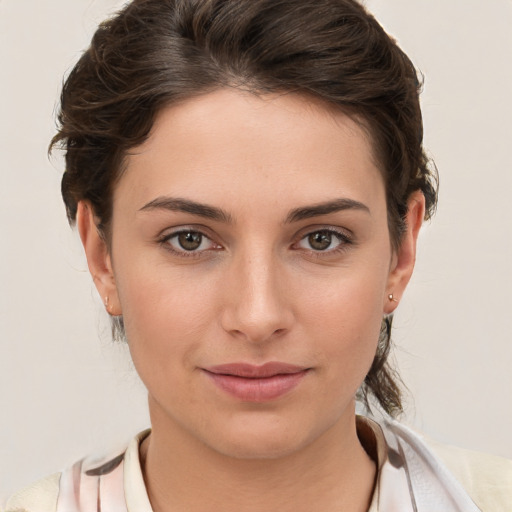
[{"x": 252, "y": 371}]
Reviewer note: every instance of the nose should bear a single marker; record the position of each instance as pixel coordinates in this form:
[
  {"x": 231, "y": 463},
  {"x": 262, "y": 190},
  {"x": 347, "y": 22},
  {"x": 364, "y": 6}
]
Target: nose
[{"x": 257, "y": 308}]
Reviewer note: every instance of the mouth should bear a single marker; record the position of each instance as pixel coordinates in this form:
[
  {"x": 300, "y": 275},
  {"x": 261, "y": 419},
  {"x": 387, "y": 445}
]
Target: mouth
[{"x": 252, "y": 383}]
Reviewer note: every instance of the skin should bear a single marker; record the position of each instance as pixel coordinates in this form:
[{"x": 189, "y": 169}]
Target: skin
[{"x": 256, "y": 290}]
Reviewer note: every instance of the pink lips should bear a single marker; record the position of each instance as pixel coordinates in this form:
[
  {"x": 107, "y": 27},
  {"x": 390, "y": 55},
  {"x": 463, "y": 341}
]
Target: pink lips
[{"x": 252, "y": 383}]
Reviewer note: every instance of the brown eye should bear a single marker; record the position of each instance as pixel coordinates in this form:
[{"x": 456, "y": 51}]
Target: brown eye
[
  {"x": 189, "y": 243},
  {"x": 328, "y": 241},
  {"x": 190, "y": 240},
  {"x": 320, "y": 240}
]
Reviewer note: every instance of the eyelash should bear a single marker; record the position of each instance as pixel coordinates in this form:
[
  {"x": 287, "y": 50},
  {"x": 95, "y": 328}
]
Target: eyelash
[{"x": 344, "y": 239}]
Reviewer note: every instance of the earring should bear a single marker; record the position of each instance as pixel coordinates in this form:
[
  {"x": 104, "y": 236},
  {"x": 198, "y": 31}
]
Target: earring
[{"x": 391, "y": 298}]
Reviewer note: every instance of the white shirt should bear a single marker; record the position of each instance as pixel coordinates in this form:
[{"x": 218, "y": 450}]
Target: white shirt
[{"x": 413, "y": 476}]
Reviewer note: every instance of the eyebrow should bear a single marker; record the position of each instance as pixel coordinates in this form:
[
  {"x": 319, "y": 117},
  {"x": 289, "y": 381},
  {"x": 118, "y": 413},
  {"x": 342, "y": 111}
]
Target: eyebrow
[
  {"x": 214, "y": 213},
  {"x": 319, "y": 209},
  {"x": 188, "y": 206}
]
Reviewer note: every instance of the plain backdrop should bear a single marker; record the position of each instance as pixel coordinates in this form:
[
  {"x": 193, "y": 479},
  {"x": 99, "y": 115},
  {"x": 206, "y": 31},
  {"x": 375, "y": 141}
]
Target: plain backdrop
[{"x": 66, "y": 390}]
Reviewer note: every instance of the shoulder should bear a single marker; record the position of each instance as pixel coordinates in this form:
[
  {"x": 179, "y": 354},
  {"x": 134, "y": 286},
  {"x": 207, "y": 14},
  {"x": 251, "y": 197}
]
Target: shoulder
[
  {"x": 90, "y": 484},
  {"x": 39, "y": 497},
  {"x": 437, "y": 474},
  {"x": 486, "y": 478}
]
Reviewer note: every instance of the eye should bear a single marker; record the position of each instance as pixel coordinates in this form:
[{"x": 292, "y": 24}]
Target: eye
[
  {"x": 324, "y": 240},
  {"x": 189, "y": 241}
]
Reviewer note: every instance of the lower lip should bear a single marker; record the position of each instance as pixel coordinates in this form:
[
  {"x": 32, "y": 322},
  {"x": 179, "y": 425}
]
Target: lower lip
[{"x": 257, "y": 390}]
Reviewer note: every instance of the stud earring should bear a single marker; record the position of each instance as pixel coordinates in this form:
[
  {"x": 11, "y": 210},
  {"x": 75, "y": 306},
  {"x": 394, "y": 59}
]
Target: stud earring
[{"x": 391, "y": 298}]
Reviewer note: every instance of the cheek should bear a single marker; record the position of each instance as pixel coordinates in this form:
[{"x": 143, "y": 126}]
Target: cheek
[
  {"x": 349, "y": 298},
  {"x": 167, "y": 316},
  {"x": 344, "y": 316}
]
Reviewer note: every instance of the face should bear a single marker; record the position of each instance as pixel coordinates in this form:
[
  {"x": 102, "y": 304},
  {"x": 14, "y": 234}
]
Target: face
[{"x": 251, "y": 261}]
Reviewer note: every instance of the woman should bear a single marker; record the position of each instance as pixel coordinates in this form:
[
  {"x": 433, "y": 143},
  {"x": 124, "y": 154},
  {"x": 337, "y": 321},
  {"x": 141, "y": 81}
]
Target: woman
[{"x": 248, "y": 181}]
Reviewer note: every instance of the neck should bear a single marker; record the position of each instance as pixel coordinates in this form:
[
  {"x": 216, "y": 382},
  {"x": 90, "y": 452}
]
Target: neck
[{"x": 330, "y": 474}]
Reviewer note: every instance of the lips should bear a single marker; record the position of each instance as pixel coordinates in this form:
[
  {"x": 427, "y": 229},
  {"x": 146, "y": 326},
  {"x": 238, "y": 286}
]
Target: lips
[{"x": 253, "y": 383}]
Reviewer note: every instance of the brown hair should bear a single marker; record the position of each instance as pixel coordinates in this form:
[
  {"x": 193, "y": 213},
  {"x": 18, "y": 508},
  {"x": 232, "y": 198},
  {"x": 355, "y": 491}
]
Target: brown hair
[{"x": 155, "y": 53}]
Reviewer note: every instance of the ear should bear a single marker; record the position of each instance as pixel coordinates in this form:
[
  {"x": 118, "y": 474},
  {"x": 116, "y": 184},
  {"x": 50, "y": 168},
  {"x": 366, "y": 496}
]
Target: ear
[
  {"x": 98, "y": 257},
  {"x": 403, "y": 260}
]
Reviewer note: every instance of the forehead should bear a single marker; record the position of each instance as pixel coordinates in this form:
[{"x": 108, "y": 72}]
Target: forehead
[{"x": 230, "y": 144}]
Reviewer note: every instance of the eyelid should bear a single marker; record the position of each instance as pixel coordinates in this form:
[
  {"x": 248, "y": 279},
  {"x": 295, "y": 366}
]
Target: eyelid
[
  {"x": 172, "y": 230},
  {"x": 344, "y": 233}
]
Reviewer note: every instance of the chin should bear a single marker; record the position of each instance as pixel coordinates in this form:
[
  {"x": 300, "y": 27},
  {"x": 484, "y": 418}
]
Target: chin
[{"x": 264, "y": 438}]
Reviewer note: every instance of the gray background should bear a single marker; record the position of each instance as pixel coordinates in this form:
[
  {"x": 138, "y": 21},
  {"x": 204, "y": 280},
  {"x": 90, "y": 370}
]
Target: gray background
[{"x": 66, "y": 390}]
